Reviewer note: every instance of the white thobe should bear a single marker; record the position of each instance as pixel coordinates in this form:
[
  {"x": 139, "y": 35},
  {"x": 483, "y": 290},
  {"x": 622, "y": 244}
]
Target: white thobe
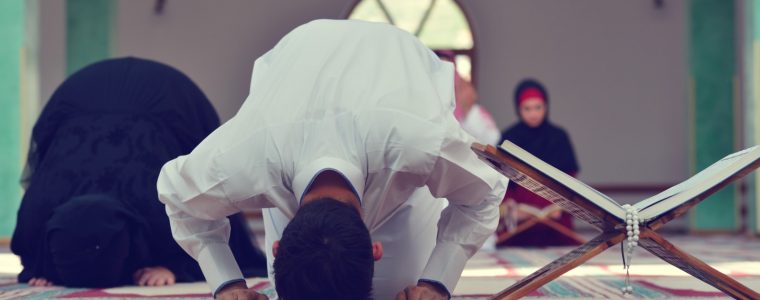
[{"x": 366, "y": 100}]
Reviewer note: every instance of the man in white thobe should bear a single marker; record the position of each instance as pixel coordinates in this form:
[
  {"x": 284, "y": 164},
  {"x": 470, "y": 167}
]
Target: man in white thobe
[{"x": 363, "y": 100}]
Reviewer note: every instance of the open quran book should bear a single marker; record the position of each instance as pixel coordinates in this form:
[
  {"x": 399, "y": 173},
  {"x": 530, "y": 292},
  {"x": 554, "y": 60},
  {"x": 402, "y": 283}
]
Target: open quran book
[{"x": 601, "y": 211}]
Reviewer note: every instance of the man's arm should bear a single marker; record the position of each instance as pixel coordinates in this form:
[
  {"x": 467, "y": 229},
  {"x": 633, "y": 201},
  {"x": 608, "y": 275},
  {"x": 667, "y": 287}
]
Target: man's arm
[
  {"x": 201, "y": 189},
  {"x": 197, "y": 216},
  {"x": 474, "y": 191}
]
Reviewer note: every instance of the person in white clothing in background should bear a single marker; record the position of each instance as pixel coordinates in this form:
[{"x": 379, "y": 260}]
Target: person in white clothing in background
[
  {"x": 473, "y": 118},
  {"x": 346, "y": 138}
]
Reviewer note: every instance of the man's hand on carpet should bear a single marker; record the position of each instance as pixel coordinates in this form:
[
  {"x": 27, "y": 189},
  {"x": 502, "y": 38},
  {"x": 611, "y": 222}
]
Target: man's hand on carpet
[
  {"x": 239, "y": 291},
  {"x": 40, "y": 282},
  {"x": 421, "y": 291},
  {"x": 154, "y": 276}
]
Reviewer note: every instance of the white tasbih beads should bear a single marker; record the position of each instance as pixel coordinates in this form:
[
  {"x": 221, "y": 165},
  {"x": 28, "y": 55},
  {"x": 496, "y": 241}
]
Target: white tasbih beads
[{"x": 632, "y": 231}]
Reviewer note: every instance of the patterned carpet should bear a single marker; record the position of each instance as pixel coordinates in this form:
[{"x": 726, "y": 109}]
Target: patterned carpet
[{"x": 490, "y": 272}]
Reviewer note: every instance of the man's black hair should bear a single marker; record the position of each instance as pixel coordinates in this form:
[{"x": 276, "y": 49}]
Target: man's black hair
[{"x": 325, "y": 253}]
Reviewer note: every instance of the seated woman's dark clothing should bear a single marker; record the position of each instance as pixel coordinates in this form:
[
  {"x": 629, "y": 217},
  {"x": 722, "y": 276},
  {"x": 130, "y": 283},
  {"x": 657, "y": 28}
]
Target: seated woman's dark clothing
[{"x": 550, "y": 143}]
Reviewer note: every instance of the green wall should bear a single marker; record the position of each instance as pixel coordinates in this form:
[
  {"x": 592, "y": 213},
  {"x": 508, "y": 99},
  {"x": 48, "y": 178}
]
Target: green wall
[
  {"x": 712, "y": 66},
  {"x": 12, "y": 37},
  {"x": 89, "y": 27},
  {"x": 752, "y": 103}
]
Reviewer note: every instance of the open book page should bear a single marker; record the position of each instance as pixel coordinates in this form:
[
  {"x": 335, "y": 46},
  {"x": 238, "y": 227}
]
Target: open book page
[
  {"x": 538, "y": 212},
  {"x": 585, "y": 191},
  {"x": 702, "y": 181}
]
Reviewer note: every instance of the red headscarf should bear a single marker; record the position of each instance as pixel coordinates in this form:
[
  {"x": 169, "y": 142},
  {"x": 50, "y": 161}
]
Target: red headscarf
[{"x": 528, "y": 93}]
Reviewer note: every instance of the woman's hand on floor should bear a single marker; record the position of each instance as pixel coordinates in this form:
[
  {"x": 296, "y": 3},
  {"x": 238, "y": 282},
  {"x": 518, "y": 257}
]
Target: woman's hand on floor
[
  {"x": 40, "y": 282},
  {"x": 154, "y": 276}
]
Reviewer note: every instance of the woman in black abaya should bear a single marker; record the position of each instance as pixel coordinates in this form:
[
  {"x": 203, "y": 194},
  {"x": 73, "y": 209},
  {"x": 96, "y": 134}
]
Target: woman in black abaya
[
  {"x": 90, "y": 216},
  {"x": 550, "y": 143}
]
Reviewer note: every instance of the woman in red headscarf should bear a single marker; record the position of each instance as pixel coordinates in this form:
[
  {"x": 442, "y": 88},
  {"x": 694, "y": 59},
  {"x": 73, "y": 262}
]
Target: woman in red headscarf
[{"x": 550, "y": 143}]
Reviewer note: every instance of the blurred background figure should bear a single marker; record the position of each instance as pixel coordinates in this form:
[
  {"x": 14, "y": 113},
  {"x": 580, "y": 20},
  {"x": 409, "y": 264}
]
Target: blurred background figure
[
  {"x": 474, "y": 118},
  {"x": 90, "y": 216},
  {"x": 550, "y": 143}
]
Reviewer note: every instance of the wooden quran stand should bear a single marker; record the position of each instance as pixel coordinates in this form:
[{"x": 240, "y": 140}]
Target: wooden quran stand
[
  {"x": 613, "y": 232},
  {"x": 533, "y": 220}
]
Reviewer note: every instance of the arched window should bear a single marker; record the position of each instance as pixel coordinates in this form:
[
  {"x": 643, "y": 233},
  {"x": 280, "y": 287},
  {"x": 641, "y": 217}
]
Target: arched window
[{"x": 439, "y": 24}]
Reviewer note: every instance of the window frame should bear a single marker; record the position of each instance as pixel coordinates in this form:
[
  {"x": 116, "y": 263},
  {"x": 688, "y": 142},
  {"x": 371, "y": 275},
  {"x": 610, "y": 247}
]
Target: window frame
[{"x": 472, "y": 52}]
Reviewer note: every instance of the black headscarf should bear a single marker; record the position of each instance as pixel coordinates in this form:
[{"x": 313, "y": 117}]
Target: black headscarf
[
  {"x": 108, "y": 130},
  {"x": 96, "y": 241},
  {"x": 548, "y": 142}
]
